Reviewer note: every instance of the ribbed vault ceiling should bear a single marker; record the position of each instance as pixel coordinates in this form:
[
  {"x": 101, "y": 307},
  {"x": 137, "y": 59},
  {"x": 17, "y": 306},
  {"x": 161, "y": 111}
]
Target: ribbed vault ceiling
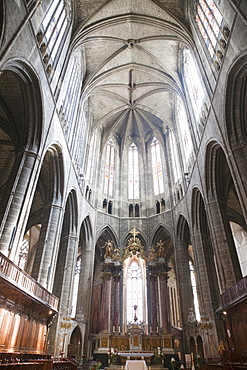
[{"x": 133, "y": 56}]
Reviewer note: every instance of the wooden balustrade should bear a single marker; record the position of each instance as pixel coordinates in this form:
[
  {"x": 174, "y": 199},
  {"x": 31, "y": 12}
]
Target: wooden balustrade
[
  {"x": 19, "y": 278},
  {"x": 234, "y": 294}
]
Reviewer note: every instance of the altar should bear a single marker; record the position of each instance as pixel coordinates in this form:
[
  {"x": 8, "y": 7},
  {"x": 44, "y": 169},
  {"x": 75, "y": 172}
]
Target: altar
[
  {"x": 130, "y": 355},
  {"x": 135, "y": 365}
]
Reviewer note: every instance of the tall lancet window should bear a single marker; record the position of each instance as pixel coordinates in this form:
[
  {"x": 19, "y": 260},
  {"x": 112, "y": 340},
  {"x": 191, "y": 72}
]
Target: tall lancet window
[
  {"x": 209, "y": 20},
  {"x": 133, "y": 172},
  {"x": 193, "y": 83},
  {"x": 185, "y": 136},
  {"x": 134, "y": 291},
  {"x": 176, "y": 173},
  {"x": 52, "y": 31},
  {"x": 157, "y": 167},
  {"x": 92, "y": 160},
  {"x": 109, "y": 168}
]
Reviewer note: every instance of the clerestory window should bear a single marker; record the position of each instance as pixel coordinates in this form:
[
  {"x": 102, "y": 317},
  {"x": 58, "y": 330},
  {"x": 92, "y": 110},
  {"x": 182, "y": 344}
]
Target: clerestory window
[
  {"x": 193, "y": 84},
  {"x": 157, "y": 167},
  {"x": 133, "y": 172},
  {"x": 52, "y": 31},
  {"x": 109, "y": 168},
  {"x": 92, "y": 160},
  {"x": 209, "y": 20}
]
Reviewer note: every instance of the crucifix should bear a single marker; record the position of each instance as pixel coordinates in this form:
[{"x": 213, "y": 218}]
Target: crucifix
[
  {"x": 135, "y": 309},
  {"x": 131, "y": 85},
  {"x": 134, "y": 232}
]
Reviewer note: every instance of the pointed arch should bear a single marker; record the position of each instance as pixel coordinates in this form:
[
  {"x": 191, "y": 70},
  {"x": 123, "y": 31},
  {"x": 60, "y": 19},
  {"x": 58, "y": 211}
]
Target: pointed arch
[
  {"x": 85, "y": 234},
  {"x": 236, "y": 103},
  {"x": 183, "y": 231},
  {"x": 74, "y": 348},
  {"x": 26, "y": 90},
  {"x": 161, "y": 233},
  {"x": 224, "y": 201}
]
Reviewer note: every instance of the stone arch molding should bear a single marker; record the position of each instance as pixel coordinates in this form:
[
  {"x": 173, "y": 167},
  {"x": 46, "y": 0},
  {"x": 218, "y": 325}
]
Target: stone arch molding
[
  {"x": 86, "y": 234},
  {"x": 236, "y": 106},
  {"x": 53, "y": 173},
  {"x": 26, "y": 108},
  {"x": 183, "y": 230},
  {"x": 162, "y": 235}
]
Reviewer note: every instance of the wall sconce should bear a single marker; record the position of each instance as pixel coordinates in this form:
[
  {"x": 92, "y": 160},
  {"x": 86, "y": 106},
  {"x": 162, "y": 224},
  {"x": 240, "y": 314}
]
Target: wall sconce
[{"x": 187, "y": 176}]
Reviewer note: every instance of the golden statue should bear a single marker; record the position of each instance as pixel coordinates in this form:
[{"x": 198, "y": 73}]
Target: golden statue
[
  {"x": 108, "y": 249},
  {"x": 161, "y": 249}
]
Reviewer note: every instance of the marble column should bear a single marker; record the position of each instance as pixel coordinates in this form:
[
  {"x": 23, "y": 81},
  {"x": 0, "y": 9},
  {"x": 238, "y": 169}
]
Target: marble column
[
  {"x": 164, "y": 302},
  {"x": 153, "y": 322},
  {"x": 116, "y": 298},
  {"x": 105, "y": 311}
]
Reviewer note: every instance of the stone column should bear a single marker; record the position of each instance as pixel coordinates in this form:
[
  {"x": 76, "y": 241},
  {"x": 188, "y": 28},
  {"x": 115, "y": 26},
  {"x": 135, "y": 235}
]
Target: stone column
[
  {"x": 85, "y": 287},
  {"x": 184, "y": 284},
  {"x": 63, "y": 289},
  {"x": 47, "y": 248},
  {"x": 240, "y": 175},
  {"x": 224, "y": 248},
  {"x": 16, "y": 201}
]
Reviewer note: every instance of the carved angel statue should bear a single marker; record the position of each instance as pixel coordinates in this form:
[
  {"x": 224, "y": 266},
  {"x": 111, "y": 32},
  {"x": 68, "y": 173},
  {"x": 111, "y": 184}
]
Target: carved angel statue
[
  {"x": 116, "y": 254},
  {"x": 108, "y": 248},
  {"x": 152, "y": 254},
  {"x": 161, "y": 249}
]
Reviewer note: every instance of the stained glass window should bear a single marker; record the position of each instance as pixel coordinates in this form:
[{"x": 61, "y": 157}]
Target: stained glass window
[
  {"x": 80, "y": 142},
  {"x": 54, "y": 25},
  {"x": 71, "y": 99},
  {"x": 134, "y": 292},
  {"x": 157, "y": 167},
  {"x": 92, "y": 160},
  {"x": 208, "y": 20},
  {"x": 176, "y": 173},
  {"x": 52, "y": 32},
  {"x": 133, "y": 172},
  {"x": 193, "y": 83},
  {"x": 109, "y": 168},
  {"x": 185, "y": 136}
]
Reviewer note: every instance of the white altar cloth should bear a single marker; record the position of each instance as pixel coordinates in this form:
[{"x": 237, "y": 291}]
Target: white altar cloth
[
  {"x": 135, "y": 354},
  {"x": 135, "y": 365}
]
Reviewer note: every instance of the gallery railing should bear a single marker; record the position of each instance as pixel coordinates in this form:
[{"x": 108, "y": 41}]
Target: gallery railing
[
  {"x": 235, "y": 293},
  {"x": 21, "y": 280}
]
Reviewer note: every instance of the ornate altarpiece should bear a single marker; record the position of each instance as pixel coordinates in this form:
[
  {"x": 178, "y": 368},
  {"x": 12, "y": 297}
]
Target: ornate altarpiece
[{"x": 135, "y": 337}]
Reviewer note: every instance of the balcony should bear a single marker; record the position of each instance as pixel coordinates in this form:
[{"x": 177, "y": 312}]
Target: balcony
[
  {"x": 235, "y": 294},
  {"x": 18, "y": 280}
]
